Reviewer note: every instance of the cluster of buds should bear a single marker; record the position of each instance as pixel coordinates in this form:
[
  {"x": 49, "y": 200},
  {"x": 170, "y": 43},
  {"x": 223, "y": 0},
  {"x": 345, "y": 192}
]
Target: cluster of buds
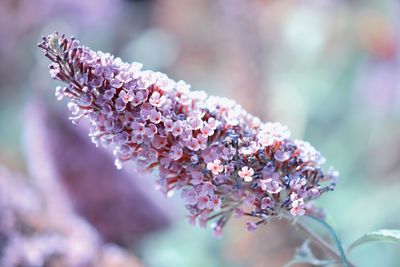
[{"x": 218, "y": 156}]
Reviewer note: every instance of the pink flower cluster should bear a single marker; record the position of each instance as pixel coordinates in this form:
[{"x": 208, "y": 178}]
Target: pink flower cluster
[{"x": 213, "y": 151}]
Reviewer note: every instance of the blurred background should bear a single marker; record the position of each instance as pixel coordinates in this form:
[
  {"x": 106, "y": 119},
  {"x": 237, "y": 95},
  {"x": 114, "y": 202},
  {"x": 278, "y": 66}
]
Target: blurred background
[{"x": 329, "y": 69}]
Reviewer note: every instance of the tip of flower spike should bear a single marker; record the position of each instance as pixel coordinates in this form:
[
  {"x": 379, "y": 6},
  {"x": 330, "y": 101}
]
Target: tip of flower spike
[{"x": 47, "y": 40}]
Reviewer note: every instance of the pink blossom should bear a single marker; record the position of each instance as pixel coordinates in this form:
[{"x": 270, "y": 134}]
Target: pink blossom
[
  {"x": 246, "y": 173},
  {"x": 202, "y": 202},
  {"x": 124, "y": 76},
  {"x": 251, "y": 149},
  {"x": 195, "y": 123},
  {"x": 272, "y": 132},
  {"x": 178, "y": 129},
  {"x": 212, "y": 123},
  {"x": 314, "y": 193},
  {"x": 157, "y": 100},
  {"x": 203, "y": 219},
  {"x": 207, "y": 130},
  {"x": 164, "y": 82},
  {"x": 294, "y": 196},
  {"x": 202, "y": 141},
  {"x": 193, "y": 144},
  {"x": 215, "y": 167},
  {"x": 281, "y": 155},
  {"x": 147, "y": 78},
  {"x": 298, "y": 207}
]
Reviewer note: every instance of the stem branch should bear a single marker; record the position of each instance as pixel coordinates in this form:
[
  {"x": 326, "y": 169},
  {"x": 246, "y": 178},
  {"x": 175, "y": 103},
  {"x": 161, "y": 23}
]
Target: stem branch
[{"x": 323, "y": 244}]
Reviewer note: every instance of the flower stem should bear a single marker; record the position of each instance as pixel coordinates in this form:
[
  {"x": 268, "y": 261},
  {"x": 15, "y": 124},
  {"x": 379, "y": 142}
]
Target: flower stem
[{"x": 324, "y": 245}]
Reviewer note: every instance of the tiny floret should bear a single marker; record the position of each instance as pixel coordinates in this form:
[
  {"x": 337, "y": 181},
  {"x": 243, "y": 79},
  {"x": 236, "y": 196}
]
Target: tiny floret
[
  {"x": 215, "y": 167},
  {"x": 247, "y": 174}
]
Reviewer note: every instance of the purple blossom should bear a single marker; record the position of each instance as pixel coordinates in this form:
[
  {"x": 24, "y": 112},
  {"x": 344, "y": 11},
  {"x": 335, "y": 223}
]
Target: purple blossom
[
  {"x": 137, "y": 99},
  {"x": 239, "y": 213},
  {"x": 267, "y": 202},
  {"x": 190, "y": 196},
  {"x": 151, "y": 130},
  {"x": 220, "y": 156},
  {"x": 138, "y": 128},
  {"x": 176, "y": 152},
  {"x": 121, "y": 138},
  {"x": 126, "y": 96},
  {"x": 251, "y": 226},
  {"x": 273, "y": 186},
  {"x": 197, "y": 177},
  {"x": 168, "y": 125},
  {"x": 120, "y": 104},
  {"x": 208, "y": 189},
  {"x": 124, "y": 76},
  {"x": 116, "y": 83},
  {"x": 202, "y": 202},
  {"x": 155, "y": 116},
  {"x": 282, "y": 155},
  {"x": 214, "y": 204},
  {"x": 109, "y": 94}
]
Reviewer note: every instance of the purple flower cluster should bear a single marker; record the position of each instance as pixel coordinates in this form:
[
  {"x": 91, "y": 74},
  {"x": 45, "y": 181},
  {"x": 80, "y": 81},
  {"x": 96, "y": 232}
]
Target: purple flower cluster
[
  {"x": 223, "y": 160},
  {"x": 30, "y": 236}
]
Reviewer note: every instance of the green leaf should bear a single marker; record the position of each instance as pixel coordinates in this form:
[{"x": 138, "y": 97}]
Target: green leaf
[{"x": 383, "y": 235}]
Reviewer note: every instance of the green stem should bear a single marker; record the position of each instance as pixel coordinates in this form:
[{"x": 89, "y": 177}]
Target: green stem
[
  {"x": 335, "y": 239},
  {"x": 338, "y": 254}
]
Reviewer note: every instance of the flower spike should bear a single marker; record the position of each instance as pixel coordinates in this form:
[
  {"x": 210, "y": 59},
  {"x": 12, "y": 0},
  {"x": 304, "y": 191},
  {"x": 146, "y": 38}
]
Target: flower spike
[{"x": 212, "y": 150}]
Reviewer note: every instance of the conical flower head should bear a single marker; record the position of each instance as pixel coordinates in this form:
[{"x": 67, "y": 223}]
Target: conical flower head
[{"x": 212, "y": 150}]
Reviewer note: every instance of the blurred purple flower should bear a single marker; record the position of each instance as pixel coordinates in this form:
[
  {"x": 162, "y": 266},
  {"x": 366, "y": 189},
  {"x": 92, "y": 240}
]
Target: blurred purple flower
[{"x": 30, "y": 236}]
